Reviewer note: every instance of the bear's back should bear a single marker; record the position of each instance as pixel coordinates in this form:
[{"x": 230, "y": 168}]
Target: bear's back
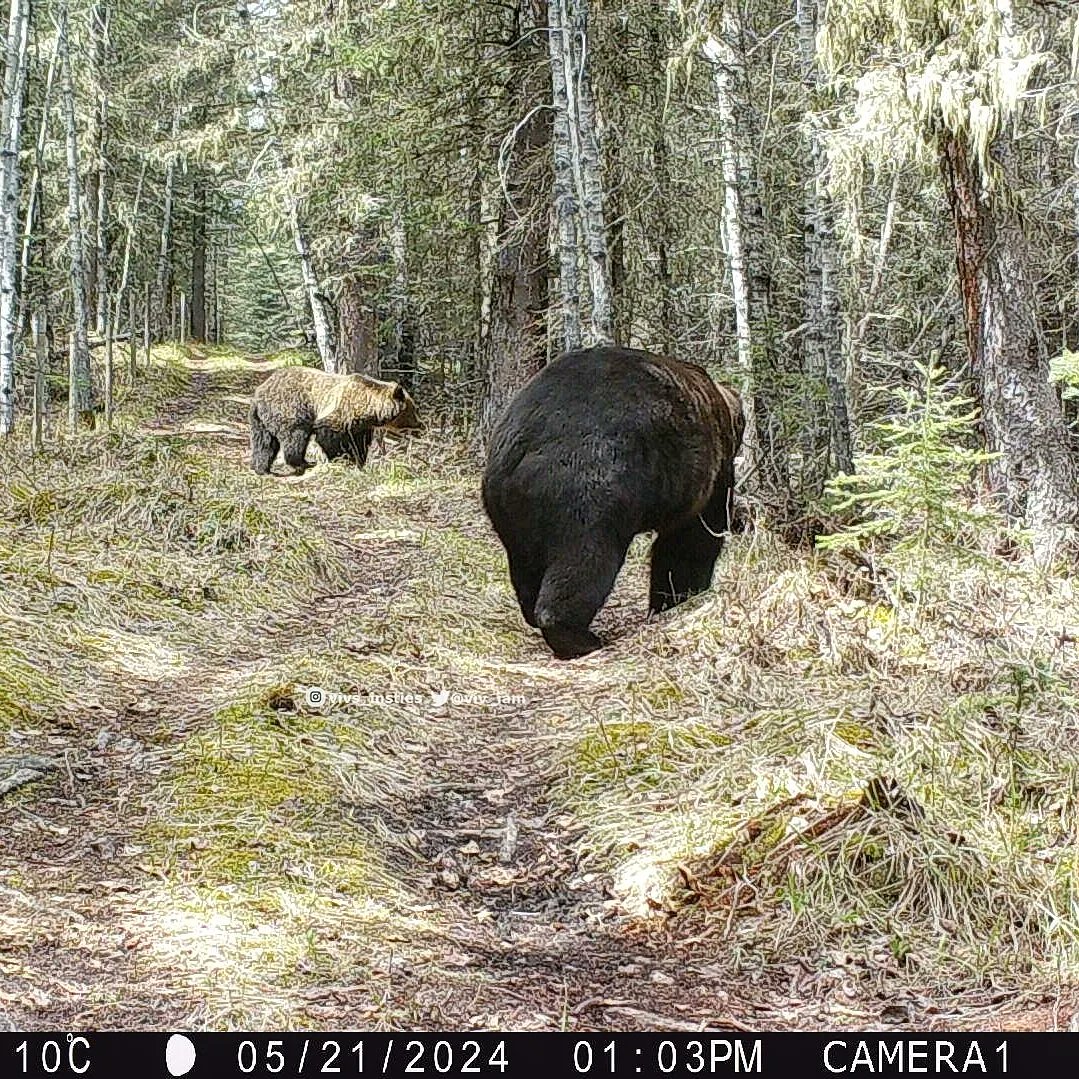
[{"x": 622, "y": 396}]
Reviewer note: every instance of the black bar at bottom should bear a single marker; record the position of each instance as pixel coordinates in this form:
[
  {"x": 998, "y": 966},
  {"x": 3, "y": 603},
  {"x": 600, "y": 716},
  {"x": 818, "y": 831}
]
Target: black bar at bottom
[{"x": 524, "y": 1056}]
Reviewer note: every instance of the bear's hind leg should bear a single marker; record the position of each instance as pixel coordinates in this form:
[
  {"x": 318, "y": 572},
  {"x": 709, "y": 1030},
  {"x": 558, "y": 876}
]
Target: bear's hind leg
[
  {"x": 684, "y": 559},
  {"x": 575, "y": 585},
  {"x": 294, "y": 448},
  {"x": 526, "y": 576},
  {"x": 264, "y": 445},
  {"x": 682, "y": 566}
]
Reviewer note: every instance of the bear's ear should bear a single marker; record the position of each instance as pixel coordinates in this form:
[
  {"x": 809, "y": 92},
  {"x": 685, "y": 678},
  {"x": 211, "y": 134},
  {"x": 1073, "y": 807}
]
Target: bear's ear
[{"x": 398, "y": 392}]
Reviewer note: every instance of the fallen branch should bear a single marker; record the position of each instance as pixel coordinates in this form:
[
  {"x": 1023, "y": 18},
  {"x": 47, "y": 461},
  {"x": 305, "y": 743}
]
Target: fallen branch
[{"x": 16, "y": 772}]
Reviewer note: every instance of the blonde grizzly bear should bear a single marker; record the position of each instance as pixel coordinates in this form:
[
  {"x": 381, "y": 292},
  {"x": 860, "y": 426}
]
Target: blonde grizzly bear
[{"x": 340, "y": 412}]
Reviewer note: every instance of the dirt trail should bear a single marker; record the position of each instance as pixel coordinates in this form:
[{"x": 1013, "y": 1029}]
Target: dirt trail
[
  {"x": 515, "y": 934},
  {"x": 476, "y": 913}
]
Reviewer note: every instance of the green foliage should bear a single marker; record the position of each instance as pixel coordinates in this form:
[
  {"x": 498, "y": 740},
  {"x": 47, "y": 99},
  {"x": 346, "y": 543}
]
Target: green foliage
[
  {"x": 910, "y": 501},
  {"x": 1064, "y": 371},
  {"x": 262, "y": 297}
]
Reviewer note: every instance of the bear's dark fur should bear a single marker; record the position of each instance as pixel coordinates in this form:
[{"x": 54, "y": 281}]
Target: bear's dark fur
[
  {"x": 340, "y": 412},
  {"x": 599, "y": 446}
]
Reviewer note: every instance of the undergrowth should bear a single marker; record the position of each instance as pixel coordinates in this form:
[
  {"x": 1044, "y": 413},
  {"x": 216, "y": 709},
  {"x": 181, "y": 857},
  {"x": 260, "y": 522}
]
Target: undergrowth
[{"x": 794, "y": 766}]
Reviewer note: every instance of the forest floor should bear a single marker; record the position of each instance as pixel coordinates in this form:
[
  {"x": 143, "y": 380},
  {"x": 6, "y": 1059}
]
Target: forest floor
[{"x": 780, "y": 807}]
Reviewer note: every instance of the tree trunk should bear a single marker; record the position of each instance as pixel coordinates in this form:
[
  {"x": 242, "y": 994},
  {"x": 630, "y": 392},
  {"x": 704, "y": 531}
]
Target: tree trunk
[
  {"x": 516, "y": 344},
  {"x": 357, "y": 328},
  {"x": 403, "y": 355},
  {"x": 1021, "y": 417},
  {"x": 320, "y": 321},
  {"x": 662, "y": 215},
  {"x": 765, "y": 450},
  {"x": 31, "y": 233},
  {"x": 80, "y": 390},
  {"x": 16, "y": 60},
  {"x": 216, "y": 336},
  {"x": 565, "y": 200},
  {"x": 41, "y": 363},
  {"x": 663, "y": 218},
  {"x": 110, "y": 333},
  {"x": 828, "y": 425},
  {"x": 99, "y": 21},
  {"x": 869, "y": 296},
  {"x": 163, "y": 279},
  {"x": 832, "y": 326},
  {"x": 572, "y": 31},
  {"x": 198, "y": 259},
  {"x": 125, "y": 271}
]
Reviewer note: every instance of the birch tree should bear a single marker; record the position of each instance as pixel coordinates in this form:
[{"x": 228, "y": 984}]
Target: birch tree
[
  {"x": 31, "y": 232},
  {"x": 320, "y": 321},
  {"x": 15, "y": 70},
  {"x": 99, "y": 190},
  {"x": 123, "y": 288},
  {"x": 824, "y": 334},
  {"x": 80, "y": 391},
  {"x": 576, "y": 144},
  {"x": 765, "y": 448},
  {"x": 565, "y": 197}
]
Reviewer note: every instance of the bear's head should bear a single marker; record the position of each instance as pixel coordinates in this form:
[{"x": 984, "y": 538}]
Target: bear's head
[
  {"x": 406, "y": 417},
  {"x": 397, "y": 410}
]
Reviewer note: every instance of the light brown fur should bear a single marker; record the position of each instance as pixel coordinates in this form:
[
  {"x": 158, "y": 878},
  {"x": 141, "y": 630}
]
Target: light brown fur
[{"x": 341, "y": 412}]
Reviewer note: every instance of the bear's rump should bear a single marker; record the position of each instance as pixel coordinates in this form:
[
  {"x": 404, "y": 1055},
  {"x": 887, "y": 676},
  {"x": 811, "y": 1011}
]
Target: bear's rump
[{"x": 623, "y": 487}]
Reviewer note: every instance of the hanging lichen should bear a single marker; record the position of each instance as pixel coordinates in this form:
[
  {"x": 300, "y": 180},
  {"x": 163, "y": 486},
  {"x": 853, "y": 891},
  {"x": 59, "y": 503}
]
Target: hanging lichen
[{"x": 956, "y": 66}]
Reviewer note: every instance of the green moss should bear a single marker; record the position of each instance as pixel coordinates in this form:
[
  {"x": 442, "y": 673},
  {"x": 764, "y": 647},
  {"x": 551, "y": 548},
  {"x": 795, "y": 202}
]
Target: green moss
[
  {"x": 253, "y": 801},
  {"x": 855, "y": 734},
  {"x": 660, "y": 696},
  {"x": 26, "y": 694},
  {"x": 648, "y": 753}
]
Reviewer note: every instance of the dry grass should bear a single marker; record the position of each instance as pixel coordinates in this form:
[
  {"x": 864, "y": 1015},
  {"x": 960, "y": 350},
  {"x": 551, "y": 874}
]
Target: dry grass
[
  {"x": 782, "y": 773},
  {"x": 819, "y": 778}
]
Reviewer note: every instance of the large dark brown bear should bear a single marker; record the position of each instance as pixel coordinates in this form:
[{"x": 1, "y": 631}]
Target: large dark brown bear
[
  {"x": 599, "y": 446},
  {"x": 340, "y": 412}
]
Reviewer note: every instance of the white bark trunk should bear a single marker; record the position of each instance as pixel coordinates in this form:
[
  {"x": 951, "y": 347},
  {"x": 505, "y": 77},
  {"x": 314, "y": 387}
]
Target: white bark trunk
[
  {"x": 100, "y": 24},
  {"x": 34, "y": 196},
  {"x": 829, "y": 425},
  {"x": 870, "y": 296},
  {"x": 10, "y": 176},
  {"x": 79, "y": 391},
  {"x": 41, "y": 362},
  {"x": 765, "y": 451},
  {"x": 585, "y": 155},
  {"x": 125, "y": 271},
  {"x": 565, "y": 201},
  {"x": 325, "y": 340},
  {"x": 320, "y": 320}
]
